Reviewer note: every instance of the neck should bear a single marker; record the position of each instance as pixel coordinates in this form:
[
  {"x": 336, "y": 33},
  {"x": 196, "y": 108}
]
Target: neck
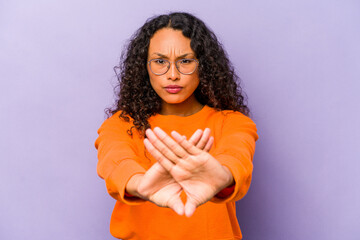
[{"x": 186, "y": 108}]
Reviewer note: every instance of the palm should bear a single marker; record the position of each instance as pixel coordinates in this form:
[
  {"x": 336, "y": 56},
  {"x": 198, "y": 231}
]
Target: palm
[
  {"x": 159, "y": 187},
  {"x": 201, "y": 176}
]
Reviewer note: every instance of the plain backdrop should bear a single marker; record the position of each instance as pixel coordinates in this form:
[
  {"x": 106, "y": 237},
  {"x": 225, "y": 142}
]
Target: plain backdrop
[{"x": 299, "y": 62}]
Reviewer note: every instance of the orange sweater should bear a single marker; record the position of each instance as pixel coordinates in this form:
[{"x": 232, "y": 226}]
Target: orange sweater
[{"x": 121, "y": 156}]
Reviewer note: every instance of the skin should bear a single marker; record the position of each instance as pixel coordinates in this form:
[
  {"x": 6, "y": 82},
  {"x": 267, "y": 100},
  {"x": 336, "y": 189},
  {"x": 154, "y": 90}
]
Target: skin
[
  {"x": 199, "y": 174},
  {"x": 171, "y": 44},
  {"x": 157, "y": 184},
  {"x": 182, "y": 165}
]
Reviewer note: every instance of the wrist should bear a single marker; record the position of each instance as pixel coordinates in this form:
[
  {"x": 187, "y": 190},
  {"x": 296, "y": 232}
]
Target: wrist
[
  {"x": 132, "y": 186},
  {"x": 230, "y": 179},
  {"x": 228, "y": 187}
]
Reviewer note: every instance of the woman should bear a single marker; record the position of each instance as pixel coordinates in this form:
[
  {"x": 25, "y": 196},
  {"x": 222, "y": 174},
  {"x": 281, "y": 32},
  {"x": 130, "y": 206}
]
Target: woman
[{"x": 177, "y": 151}]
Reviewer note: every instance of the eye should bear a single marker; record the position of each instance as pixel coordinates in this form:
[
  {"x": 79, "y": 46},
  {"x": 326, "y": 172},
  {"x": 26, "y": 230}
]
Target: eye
[
  {"x": 159, "y": 61},
  {"x": 186, "y": 61}
]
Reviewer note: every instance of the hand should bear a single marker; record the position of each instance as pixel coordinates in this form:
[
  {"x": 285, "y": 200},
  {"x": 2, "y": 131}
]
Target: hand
[
  {"x": 199, "y": 174},
  {"x": 158, "y": 186}
]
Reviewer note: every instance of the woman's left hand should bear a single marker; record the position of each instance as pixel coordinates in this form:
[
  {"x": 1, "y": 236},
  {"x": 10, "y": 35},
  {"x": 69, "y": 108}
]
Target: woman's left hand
[{"x": 200, "y": 175}]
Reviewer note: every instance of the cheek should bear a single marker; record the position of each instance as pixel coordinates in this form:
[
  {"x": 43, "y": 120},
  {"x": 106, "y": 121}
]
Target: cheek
[
  {"x": 155, "y": 82},
  {"x": 153, "y": 79},
  {"x": 194, "y": 82}
]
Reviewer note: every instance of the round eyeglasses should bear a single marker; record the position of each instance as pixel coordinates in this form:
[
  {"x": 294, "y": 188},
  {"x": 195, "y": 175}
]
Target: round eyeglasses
[{"x": 185, "y": 66}]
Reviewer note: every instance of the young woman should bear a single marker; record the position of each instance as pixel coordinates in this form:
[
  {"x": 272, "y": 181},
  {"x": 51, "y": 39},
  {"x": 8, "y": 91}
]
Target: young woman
[{"x": 176, "y": 152}]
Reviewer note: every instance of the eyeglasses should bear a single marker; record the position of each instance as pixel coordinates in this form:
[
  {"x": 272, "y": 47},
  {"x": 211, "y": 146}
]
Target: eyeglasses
[{"x": 185, "y": 66}]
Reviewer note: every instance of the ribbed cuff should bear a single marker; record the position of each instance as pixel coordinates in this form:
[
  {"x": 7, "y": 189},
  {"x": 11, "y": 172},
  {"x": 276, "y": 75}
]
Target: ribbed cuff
[
  {"x": 225, "y": 192},
  {"x": 117, "y": 181},
  {"x": 238, "y": 172}
]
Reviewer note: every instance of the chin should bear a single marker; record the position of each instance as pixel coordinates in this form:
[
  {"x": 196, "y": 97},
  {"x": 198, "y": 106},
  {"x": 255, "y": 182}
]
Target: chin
[{"x": 173, "y": 102}]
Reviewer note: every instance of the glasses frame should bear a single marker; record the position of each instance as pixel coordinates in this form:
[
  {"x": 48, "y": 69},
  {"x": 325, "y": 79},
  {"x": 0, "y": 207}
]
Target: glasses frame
[{"x": 170, "y": 62}]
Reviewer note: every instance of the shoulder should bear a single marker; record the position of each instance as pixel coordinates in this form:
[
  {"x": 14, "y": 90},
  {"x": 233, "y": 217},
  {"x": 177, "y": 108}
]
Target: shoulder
[
  {"x": 233, "y": 117},
  {"x": 116, "y": 122},
  {"x": 237, "y": 122}
]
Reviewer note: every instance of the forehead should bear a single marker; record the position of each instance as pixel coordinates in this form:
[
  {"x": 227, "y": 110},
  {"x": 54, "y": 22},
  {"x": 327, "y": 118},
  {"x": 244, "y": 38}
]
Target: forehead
[{"x": 167, "y": 40}]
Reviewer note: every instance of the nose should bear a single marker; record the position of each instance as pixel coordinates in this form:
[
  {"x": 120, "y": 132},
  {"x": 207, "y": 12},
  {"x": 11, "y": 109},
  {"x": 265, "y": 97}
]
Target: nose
[{"x": 173, "y": 73}]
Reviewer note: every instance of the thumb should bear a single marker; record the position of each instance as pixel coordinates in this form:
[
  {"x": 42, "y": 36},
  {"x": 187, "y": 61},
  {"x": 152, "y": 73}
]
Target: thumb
[
  {"x": 190, "y": 207},
  {"x": 177, "y": 205}
]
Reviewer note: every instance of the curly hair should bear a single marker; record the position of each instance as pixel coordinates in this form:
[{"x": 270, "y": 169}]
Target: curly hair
[{"x": 218, "y": 88}]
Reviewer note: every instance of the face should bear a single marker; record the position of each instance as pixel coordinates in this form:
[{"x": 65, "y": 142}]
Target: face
[{"x": 173, "y": 87}]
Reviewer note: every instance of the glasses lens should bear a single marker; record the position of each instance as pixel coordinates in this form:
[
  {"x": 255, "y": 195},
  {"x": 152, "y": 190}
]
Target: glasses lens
[
  {"x": 187, "y": 66},
  {"x": 159, "y": 66}
]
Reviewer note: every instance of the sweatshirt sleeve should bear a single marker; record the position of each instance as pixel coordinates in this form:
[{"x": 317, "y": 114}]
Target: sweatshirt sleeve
[
  {"x": 117, "y": 158},
  {"x": 235, "y": 150}
]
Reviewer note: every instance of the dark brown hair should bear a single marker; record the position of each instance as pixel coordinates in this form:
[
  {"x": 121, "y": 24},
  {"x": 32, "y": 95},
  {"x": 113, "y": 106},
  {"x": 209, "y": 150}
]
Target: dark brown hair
[{"x": 219, "y": 85}]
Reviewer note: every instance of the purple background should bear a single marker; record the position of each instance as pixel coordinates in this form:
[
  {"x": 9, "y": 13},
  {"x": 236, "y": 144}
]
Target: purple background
[{"x": 300, "y": 66}]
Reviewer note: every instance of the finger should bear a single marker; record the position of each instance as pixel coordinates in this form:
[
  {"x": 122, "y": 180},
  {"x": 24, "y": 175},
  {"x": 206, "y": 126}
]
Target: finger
[
  {"x": 191, "y": 149},
  {"x": 209, "y": 144},
  {"x": 177, "y": 205},
  {"x": 172, "y": 145},
  {"x": 190, "y": 208},
  {"x": 166, "y": 163},
  {"x": 194, "y": 139},
  {"x": 161, "y": 146},
  {"x": 204, "y": 139}
]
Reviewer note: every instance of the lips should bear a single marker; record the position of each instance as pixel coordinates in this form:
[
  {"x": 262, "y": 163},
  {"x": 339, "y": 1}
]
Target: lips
[{"x": 173, "y": 89}]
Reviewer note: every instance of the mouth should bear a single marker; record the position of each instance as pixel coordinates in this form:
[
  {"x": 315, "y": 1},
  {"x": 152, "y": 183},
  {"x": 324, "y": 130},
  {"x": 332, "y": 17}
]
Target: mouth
[{"x": 173, "y": 89}]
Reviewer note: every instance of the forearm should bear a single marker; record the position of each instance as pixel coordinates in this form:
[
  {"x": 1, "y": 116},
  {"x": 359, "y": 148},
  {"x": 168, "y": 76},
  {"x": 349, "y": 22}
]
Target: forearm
[
  {"x": 118, "y": 179},
  {"x": 240, "y": 181}
]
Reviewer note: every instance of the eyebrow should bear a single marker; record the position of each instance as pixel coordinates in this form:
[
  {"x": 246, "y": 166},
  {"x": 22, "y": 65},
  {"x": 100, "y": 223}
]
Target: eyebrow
[{"x": 164, "y": 56}]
